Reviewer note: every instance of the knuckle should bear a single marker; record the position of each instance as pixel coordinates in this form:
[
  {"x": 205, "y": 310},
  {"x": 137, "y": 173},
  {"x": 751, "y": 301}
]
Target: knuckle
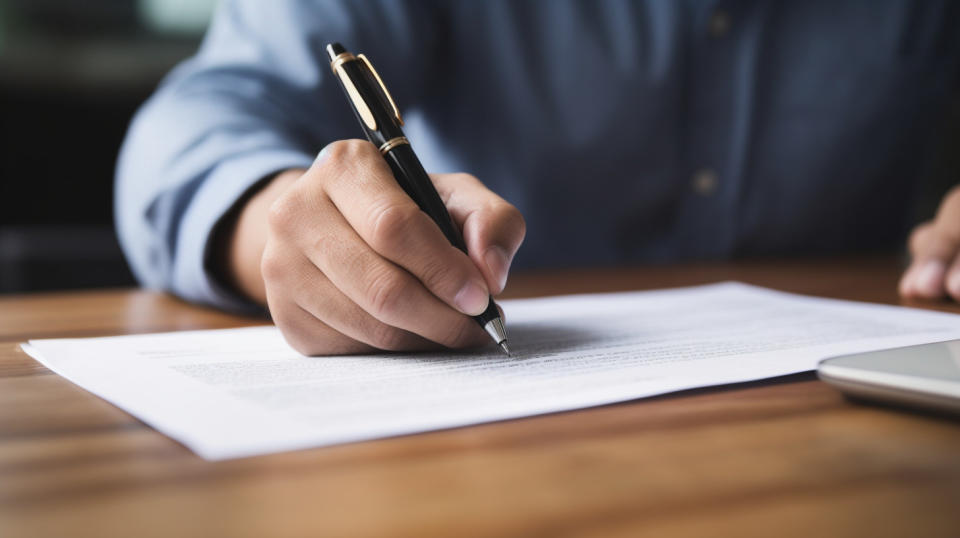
[
  {"x": 513, "y": 218},
  {"x": 279, "y": 214},
  {"x": 350, "y": 150},
  {"x": 506, "y": 222},
  {"x": 389, "y": 223},
  {"x": 385, "y": 293},
  {"x": 272, "y": 267},
  {"x": 339, "y": 149}
]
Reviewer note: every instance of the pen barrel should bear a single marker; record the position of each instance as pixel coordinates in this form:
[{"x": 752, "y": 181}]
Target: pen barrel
[{"x": 415, "y": 181}]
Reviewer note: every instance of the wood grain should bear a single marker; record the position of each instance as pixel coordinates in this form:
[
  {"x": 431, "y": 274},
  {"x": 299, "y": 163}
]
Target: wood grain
[{"x": 780, "y": 457}]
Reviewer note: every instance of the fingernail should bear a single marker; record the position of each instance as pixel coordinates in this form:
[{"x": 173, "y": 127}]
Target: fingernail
[
  {"x": 498, "y": 263},
  {"x": 929, "y": 279},
  {"x": 471, "y": 299},
  {"x": 906, "y": 281}
]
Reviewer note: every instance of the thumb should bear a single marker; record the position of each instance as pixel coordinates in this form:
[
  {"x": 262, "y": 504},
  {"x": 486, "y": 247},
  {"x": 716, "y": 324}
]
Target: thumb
[{"x": 492, "y": 228}]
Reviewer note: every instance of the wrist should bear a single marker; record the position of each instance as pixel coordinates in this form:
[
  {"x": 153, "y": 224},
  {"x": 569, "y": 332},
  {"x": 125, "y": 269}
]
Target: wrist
[{"x": 244, "y": 235}]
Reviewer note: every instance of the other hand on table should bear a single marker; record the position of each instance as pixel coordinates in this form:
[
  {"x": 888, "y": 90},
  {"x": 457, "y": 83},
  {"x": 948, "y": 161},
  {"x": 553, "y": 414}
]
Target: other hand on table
[{"x": 934, "y": 270}]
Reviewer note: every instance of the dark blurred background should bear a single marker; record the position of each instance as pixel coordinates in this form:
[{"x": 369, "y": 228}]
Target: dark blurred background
[{"x": 72, "y": 73}]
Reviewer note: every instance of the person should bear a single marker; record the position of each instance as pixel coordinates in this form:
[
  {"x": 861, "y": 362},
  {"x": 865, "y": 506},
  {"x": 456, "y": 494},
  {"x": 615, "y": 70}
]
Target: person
[{"x": 620, "y": 131}]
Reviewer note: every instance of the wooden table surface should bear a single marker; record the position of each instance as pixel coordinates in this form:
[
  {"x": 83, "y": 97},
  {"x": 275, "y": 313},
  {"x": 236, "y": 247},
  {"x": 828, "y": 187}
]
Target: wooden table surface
[{"x": 774, "y": 458}]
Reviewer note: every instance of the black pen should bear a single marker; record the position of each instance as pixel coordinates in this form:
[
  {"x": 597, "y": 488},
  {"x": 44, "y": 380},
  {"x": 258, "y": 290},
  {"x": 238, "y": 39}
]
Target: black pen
[{"x": 380, "y": 118}]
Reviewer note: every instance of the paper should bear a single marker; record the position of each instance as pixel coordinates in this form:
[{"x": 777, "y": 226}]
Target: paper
[{"x": 242, "y": 392}]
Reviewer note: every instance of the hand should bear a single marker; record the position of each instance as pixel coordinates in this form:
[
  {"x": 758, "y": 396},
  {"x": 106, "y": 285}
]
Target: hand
[
  {"x": 350, "y": 263},
  {"x": 935, "y": 251}
]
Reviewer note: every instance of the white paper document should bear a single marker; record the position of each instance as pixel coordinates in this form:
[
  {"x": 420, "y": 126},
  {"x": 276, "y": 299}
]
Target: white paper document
[{"x": 242, "y": 392}]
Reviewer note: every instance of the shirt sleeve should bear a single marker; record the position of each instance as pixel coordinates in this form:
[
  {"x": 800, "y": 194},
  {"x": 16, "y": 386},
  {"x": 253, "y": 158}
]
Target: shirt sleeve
[{"x": 255, "y": 100}]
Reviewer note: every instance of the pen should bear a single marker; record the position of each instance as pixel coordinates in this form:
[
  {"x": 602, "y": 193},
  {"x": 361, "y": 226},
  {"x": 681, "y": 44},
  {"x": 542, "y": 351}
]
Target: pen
[{"x": 381, "y": 121}]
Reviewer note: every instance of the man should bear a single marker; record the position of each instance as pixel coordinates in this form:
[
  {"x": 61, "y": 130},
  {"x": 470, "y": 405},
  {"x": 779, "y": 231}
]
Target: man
[{"x": 624, "y": 131}]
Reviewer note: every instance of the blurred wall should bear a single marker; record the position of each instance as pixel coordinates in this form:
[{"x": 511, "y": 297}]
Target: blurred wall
[
  {"x": 71, "y": 76},
  {"x": 72, "y": 73}
]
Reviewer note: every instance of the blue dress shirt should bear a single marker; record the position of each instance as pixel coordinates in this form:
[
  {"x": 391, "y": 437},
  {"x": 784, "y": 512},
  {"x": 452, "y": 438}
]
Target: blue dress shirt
[{"x": 625, "y": 131}]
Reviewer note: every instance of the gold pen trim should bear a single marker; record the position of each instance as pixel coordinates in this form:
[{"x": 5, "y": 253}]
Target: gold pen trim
[
  {"x": 366, "y": 115},
  {"x": 341, "y": 59},
  {"x": 393, "y": 104},
  {"x": 392, "y": 143}
]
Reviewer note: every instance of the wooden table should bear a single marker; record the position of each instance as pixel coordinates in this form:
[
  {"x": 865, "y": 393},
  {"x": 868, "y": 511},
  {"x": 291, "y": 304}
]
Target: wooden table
[{"x": 782, "y": 457}]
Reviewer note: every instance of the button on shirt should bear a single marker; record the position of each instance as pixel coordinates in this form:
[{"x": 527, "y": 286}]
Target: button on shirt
[{"x": 625, "y": 131}]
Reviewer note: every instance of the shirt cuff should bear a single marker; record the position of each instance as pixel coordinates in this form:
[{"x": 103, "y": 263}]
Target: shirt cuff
[{"x": 192, "y": 279}]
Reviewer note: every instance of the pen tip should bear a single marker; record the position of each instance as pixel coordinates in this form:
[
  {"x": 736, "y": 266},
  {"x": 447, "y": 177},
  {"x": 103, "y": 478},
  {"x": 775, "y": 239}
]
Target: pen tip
[
  {"x": 334, "y": 49},
  {"x": 506, "y": 349}
]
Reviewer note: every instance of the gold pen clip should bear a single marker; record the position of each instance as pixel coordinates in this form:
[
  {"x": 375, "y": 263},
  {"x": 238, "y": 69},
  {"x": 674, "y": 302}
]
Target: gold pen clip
[
  {"x": 393, "y": 104},
  {"x": 362, "y": 109}
]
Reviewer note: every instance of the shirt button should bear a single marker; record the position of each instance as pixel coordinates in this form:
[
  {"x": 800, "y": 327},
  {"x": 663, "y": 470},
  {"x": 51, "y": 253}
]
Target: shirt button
[
  {"x": 719, "y": 23},
  {"x": 704, "y": 182}
]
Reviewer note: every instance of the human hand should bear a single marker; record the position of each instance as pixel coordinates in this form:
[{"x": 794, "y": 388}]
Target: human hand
[
  {"x": 351, "y": 264},
  {"x": 935, "y": 251}
]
